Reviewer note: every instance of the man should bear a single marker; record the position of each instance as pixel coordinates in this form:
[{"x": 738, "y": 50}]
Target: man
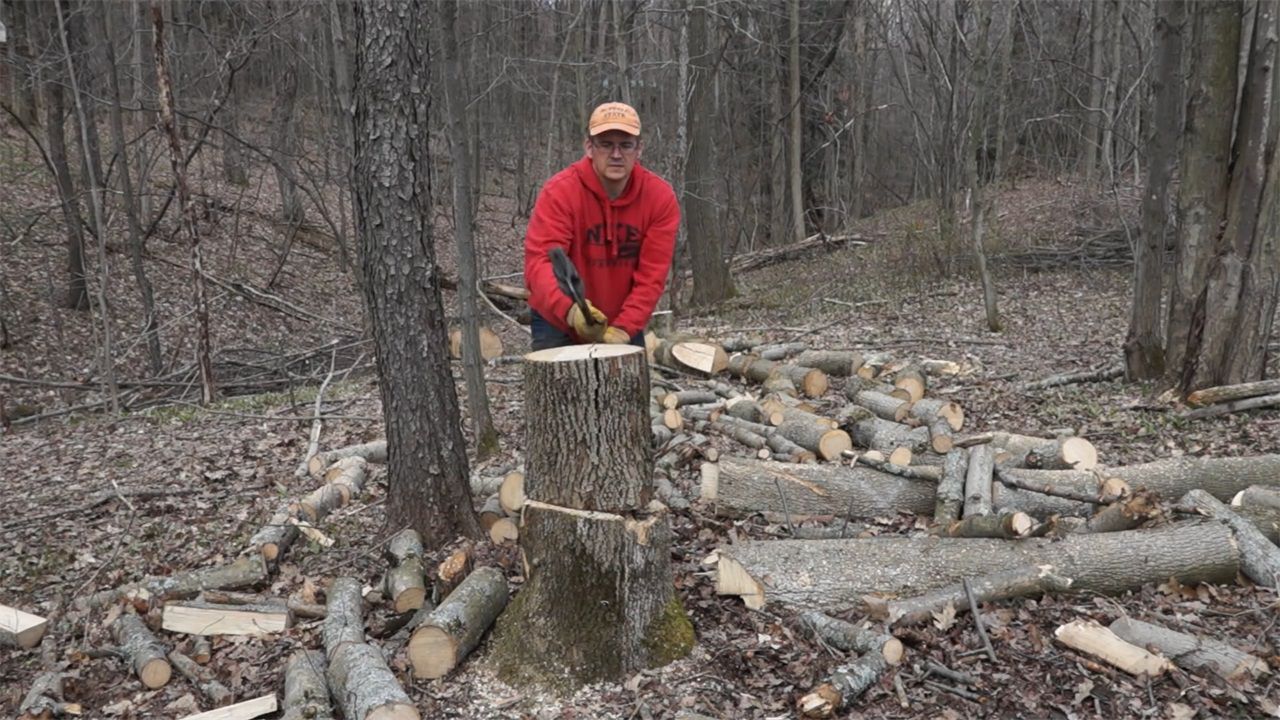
[{"x": 617, "y": 222}]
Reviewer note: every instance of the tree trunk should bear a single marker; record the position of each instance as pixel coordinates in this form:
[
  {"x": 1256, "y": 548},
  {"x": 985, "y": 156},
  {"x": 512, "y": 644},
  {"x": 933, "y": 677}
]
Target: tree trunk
[
  {"x": 151, "y": 323},
  {"x": 208, "y": 387},
  {"x": 484, "y": 434},
  {"x": 287, "y": 148},
  {"x": 834, "y": 575},
  {"x": 1144, "y": 349},
  {"x": 77, "y": 297},
  {"x": 796, "y": 114},
  {"x": 598, "y": 602},
  {"x": 427, "y": 460},
  {"x": 1093, "y": 119},
  {"x": 711, "y": 280},
  {"x": 1233, "y": 316},
  {"x": 1206, "y": 151},
  {"x": 22, "y": 78}
]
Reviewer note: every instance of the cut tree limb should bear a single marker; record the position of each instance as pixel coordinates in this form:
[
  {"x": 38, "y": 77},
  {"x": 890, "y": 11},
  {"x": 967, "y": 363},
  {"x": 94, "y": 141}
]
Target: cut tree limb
[
  {"x": 1228, "y": 393},
  {"x": 845, "y": 684},
  {"x": 146, "y": 655},
  {"x": 1088, "y": 376},
  {"x": 837, "y": 363},
  {"x": 1125, "y": 514},
  {"x": 204, "y": 618},
  {"x": 885, "y": 436},
  {"x": 929, "y": 473},
  {"x": 977, "y": 481},
  {"x": 1087, "y": 636},
  {"x": 1007, "y": 525},
  {"x": 852, "y": 638},
  {"x": 913, "y": 380},
  {"x": 404, "y": 582},
  {"x": 929, "y": 409},
  {"x": 358, "y": 675},
  {"x": 373, "y": 452},
  {"x": 950, "y": 494},
  {"x": 1257, "y": 496},
  {"x": 1259, "y": 557},
  {"x": 884, "y": 406},
  {"x": 836, "y": 574},
  {"x": 246, "y": 710},
  {"x": 246, "y": 571},
  {"x": 201, "y": 679},
  {"x": 1253, "y": 403},
  {"x": 813, "y": 434},
  {"x": 446, "y": 636},
  {"x": 1021, "y": 581},
  {"x": 306, "y": 691},
  {"x": 275, "y": 537},
  {"x": 1189, "y": 651}
]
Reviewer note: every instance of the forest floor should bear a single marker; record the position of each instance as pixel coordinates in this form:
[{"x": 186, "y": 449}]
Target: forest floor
[{"x": 218, "y": 473}]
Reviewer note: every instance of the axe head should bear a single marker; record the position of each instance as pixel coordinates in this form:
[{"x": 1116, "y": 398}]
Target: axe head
[{"x": 569, "y": 281}]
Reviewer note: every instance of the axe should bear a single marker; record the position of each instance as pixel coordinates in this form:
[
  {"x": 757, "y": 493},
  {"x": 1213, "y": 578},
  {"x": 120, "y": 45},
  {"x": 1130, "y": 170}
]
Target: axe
[{"x": 570, "y": 282}]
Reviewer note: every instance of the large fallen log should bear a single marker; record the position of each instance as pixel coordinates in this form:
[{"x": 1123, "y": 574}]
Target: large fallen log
[
  {"x": 361, "y": 682},
  {"x": 245, "y": 571},
  {"x": 1189, "y": 651},
  {"x": 145, "y": 654},
  {"x": 1259, "y": 557},
  {"x": 306, "y": 691},
  {"x": 836, "y": 574},
  {"x": 374, "y": 452},
  {"x": 1000, "y": 585},
  {"x": 445, "y": 637},
  {"x": 741, "y": 487}
]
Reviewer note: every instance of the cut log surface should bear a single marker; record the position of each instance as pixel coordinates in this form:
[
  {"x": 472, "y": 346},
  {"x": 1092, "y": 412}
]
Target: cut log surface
[
  {"x": 1189, "y": 651},
  {"x": 1259, "y": 557},
  {"x": 374, "y": 452},
  {"x": 744, "y": 487},
  {"x": 705, "y": 358},
  {"x": 1228, "y": 393},
  {"x": 306, "y": 691},
  {"x": 999, "y": 585},
  {"x": 590, "y": 450},
  {"x": 747, "y": 409},
  {"x": 246, "y": 571},
  {"x": 853, "y": 638},
  {"x": 200, "y": 678},
  {"x": 1070, "y": 453},
  {"x": 1087, "y": 636},
  {"x": 977, "y": 482},
  {"x": 204, "y": 618},
  {"x": 846, "y": 683},
  {"x": 455, "y": 627},
  {"x": 490, "y": 344},
  {"x": 837, "y": 363},
  {"x": 504, "y": 530},
  {"x": 358, "y": 675},
  {"x": 836, "y": 574},
  {"x": 950, "y": 497},
  {"x": 814, "y": 435},
  {"x": 275, "y": 537},
  {"x": 246, "y": 710},
  {"x": 19, "y": 628},
  {"x": 1257, "y": 496},
  {"x": 146, "y": 655},
  {"x": 913, "y": 380},
  {"x": 929, "y": 409},
  {"x": 1007, "y": 525}
]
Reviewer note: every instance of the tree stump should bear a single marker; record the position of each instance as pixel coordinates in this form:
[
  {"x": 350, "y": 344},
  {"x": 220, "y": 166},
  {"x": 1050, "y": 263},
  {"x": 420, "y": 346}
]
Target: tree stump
[{"x": 598, "y": 602}]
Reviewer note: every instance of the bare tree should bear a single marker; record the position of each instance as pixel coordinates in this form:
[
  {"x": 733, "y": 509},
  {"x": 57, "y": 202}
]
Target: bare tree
[
  {"x": 711, "y": 281},
  {"x": 427, "y": 459},
  {"x": 795, "y": 113}
]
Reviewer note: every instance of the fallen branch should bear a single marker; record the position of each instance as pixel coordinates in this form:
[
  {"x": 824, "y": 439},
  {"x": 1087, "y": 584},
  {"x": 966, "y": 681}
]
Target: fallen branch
[
  {"x": 1191, "y": 652},
  {"x": 1000, "y": 585},
  {"x": 1087, "y": 636},
  {"x": 1088, "y": 376}
]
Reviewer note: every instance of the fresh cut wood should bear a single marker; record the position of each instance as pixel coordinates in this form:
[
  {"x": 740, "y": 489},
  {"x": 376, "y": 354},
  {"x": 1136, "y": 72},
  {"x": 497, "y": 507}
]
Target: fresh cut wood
[
  {"x": 359, "y": 678},
  {"x": 1190, "y": 651},
  {"x": 852, "y": 638},
  {"x": 1091, "y": 638},
  {"x": 1257, "y": 496},
  {"x": 836, "y": 574},
  {"x": 1022, "y": 581},
  {"x": 490, "y": 344},
  {"x": 743, "y": 487},
  {"x": 246, "y": 710},
  {"x": 145, "y": 654},
  {"x": 1227, "y": 393},
  {"x": 884, "y": 406},
  {"x": 813, "y": 434},
  {"x": 845, "y": 683},
  {"x": 19, "y": 628},
  {"x": 950, "y": 495},
  {"x": 306, "y": 691},
  {"x": 1007, "y": 525},
  {"x": 929, "y": 409},
  {"x": 977, "y": 481},
  {"x": 886, "y": 436},
  {"x": 373, "y": 452},
  {"x": 701, "y": 358},
  {"x": 205, "y": 618},
  {"x": 275, "y": 537},
  {"x": 446, "y": 636},
  {"x": 405, "y": 583},
  {"x": 913, "y": 380}
]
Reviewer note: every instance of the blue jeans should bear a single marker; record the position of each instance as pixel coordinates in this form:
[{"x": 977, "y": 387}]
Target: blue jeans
[{"x": 545, "y": 335}]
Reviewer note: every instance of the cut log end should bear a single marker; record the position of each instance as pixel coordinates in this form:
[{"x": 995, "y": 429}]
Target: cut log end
[
  {"x": 733, "y": 579},
  {"x": 901, "y": 456},
  {"x": 155, "y": 673},
  {"x": 511, "y": 492},
  {"x": 410, "y": 599},
  {"x": 576, "y": 353},
  {"x": 504, "y": 530},
  {"x": 1079, "y": 453},
  {"x": 433, "y": 653}
]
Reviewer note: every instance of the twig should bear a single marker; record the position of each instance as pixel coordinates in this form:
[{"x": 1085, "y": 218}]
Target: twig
[
  {"x": 495, "y": 308},
  {"x": 977, "y": 621},
  {"x": 1096, "y": 375},
  {"x": 954, "y": 691},
  {"x": 785, "y": 512},
  {"x": 936, "y": 668},
  {"x": 313, "y": 443},
  {"x": 276, "y": 418}
]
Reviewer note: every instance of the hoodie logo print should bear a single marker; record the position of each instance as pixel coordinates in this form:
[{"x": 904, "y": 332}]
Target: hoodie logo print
[{"x": 626, "y": 237}]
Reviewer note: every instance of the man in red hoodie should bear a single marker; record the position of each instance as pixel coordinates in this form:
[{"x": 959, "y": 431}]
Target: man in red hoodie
[{"x": 617, "y": 222}]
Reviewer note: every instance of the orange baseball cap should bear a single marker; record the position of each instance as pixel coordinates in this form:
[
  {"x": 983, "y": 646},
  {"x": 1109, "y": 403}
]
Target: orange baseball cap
[{"x": 614, "y": 116}]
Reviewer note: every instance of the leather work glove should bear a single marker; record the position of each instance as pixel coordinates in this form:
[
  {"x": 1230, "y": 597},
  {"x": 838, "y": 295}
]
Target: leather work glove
[
  {"x": 587, "y": 331},
  {"x": 616, "y": 336}
]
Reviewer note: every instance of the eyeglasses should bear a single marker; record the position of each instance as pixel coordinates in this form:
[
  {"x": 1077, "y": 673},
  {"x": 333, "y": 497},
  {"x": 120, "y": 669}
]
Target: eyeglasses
[{"x": 627, "y": 147}]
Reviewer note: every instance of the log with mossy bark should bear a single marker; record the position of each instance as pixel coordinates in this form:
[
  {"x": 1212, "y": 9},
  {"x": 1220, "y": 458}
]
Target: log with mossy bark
[
  {"x": 1191, "y": 652},
  {"x": 445, "y": 637},
  {"x": 404, "y": 583},
  {"x": 742, "y": 487},
  {"x": 144, "y": 653},
  {"x": 836, "y": 574},
  {"x": 1022, "y": 581},
  {"x": 306, "y": 690},
  {"x": 358, "y": 676},
  {"x": 373, "y": 452}
]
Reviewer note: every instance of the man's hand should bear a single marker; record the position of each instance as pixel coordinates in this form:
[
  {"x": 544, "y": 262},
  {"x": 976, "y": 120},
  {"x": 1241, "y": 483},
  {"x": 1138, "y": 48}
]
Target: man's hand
[
  {"x": 616, "y": 336},
  {"x": 592, "y": 331}
]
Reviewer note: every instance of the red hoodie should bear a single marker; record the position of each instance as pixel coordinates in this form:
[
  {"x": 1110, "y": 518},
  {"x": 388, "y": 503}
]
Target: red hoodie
[{"x": 622, "y": 248}]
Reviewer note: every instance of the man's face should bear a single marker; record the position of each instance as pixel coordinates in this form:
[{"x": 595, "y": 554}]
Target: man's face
[{"x": 613, "y": 154}]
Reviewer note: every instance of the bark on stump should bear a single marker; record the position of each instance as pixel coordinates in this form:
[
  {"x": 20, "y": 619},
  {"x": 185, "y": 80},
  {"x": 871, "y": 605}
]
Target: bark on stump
[{"x": 598, "y": 601}]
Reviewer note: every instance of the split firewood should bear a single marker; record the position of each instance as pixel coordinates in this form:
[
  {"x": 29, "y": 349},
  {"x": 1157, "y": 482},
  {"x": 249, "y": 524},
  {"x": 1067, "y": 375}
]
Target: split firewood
[
  {"x": 1257, "y": 496},
  {"x": 1259, "y": 557},
  {"x": 688, "y": 397},
  {"x": 873, "y": 459},
  {"x": 950, "y": 497},
  {"x": 1235, "y": 406},
  {"x": 511, "y": 494},
  {"x": 1007, "y": 525},
  {"x": 913, "y": 380},
  {"x": 700, "y": 358},
  {"x": 452, "y": 571},
  {"x": 884, "y": 406},
  {"x": 1191, "y": 652},
  {"x": 373, "y": 452},
  {"x": 454, "y": 628},
  {"x": 838, "y": 363},
  {"x": 358, "y": 675},
  {"x": 205, "y": 618},
  {"x": 275, "y": 537},
  {"x": 781, "y": 351},
  {"x": 21, "y": 629},
  {"x": 145, "y": 654},
  {"x": 977, "y": 481},
  {"x": 846, "y": 683},
  {"x": 306, "y": 691},
  {"x": 1228, "y": 393},
  {"x": 403, "y": 583},
  {"x": 836, "y": 574},
  {"x": 740, "y": 487},
  {"x": 929, "y": 409},
  {"x": 246, "y": 571},
  {"x": 490, "y": 344},
  {"x": 201, "y": 679},
  {"x": 1022, "y": 581},
  {"x": 852, "y": 638},
  {"x": 1125, "y": 514},
  {"x": 1087, "y": 636},
  {"x": 246, "y": 710}
]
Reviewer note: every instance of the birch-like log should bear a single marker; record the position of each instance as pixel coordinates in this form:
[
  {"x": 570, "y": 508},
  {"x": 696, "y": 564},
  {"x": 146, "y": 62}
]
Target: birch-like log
[
  {"x": 306, "y": 691},
  {"x": 358, "y": 675},
  {"x": 740, "y": 487},
  {"x": 404, "y": 582},
  {"x": 950, "y": 496},
  {"x": 1087, "y": 636},
  {"x": 977, "y": 481},
  {"x": 146, "y": 655},
  {"x": 374, "y": 452},
  {"x": 446, "y": 636}
]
